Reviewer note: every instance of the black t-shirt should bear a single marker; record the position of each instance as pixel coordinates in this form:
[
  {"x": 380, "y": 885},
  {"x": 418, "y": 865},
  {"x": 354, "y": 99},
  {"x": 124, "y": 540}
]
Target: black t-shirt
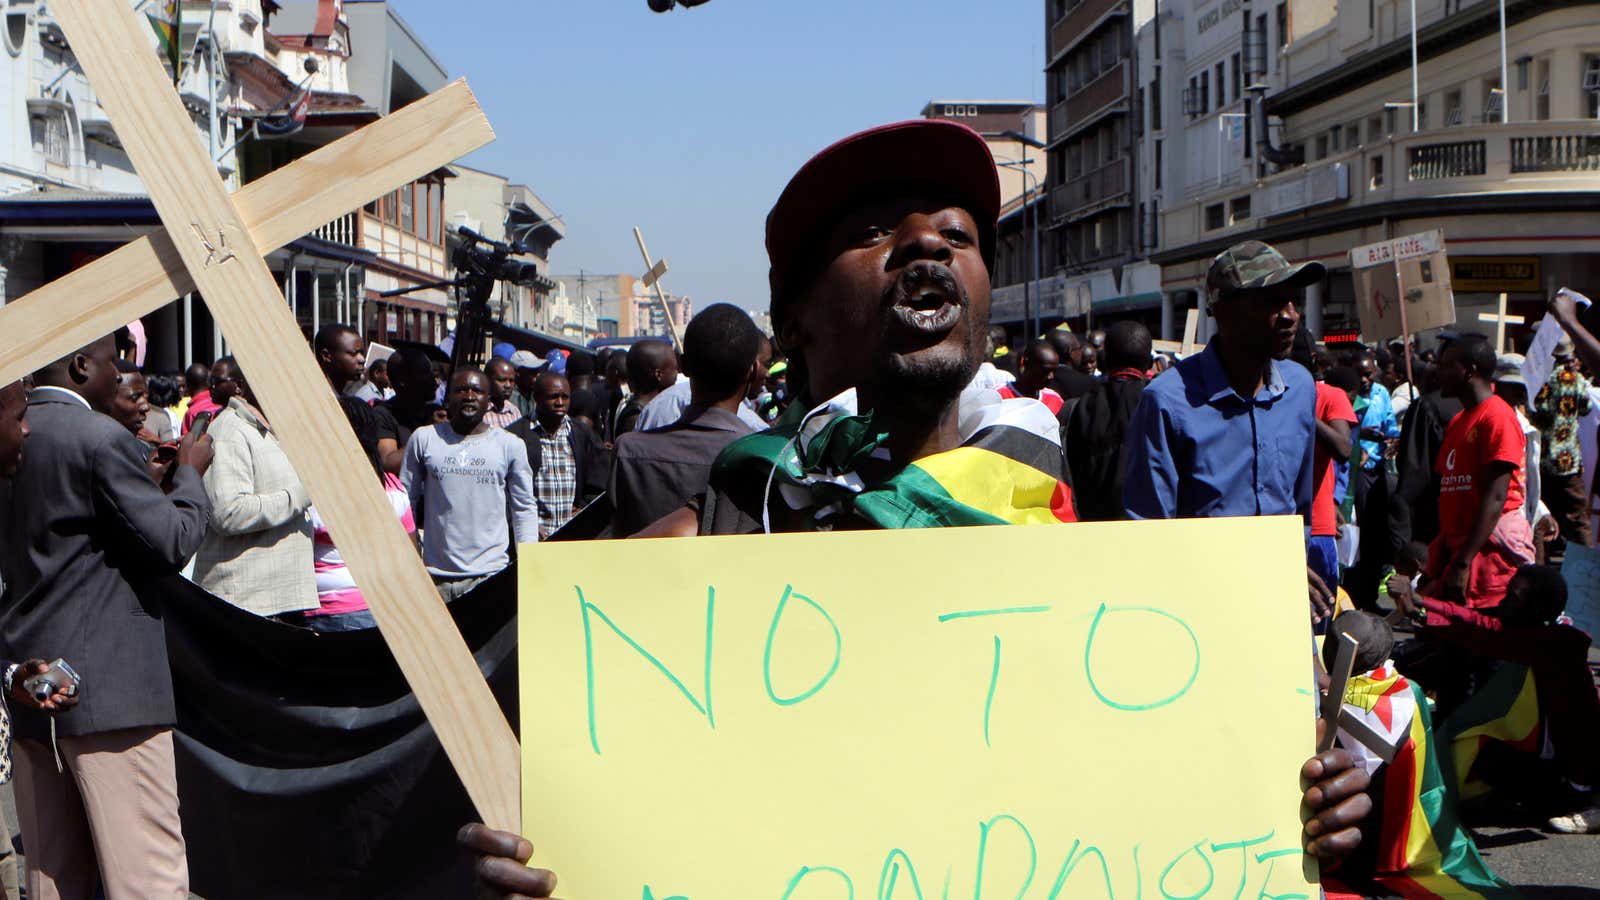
[
  {"x": 1072, "y": 384},
  {"x": 396, "y": 423}
]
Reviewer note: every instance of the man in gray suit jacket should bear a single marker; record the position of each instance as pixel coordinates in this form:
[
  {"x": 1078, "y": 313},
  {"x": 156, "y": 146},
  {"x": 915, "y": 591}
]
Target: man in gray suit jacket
[{"x": 84, "y": 530}]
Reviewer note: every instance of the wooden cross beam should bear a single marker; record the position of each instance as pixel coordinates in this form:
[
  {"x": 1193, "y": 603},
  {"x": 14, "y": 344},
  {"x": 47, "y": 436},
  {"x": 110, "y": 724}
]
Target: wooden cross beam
[
  {"x": 1185, "y": 349},
  {"x": 146, "y": 274},
  {"x": 1337, "y": 717},
  {"x": 1500, "y": 321},
  {"x": 110, "y": 43},
  {"x": 652, "y": 279}
]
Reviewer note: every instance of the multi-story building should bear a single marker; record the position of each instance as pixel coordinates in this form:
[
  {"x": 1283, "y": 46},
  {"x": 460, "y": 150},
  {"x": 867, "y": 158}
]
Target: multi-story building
[
  {"x": 600, "y": 305},
  {"x": 1096, "y": 218},
  {"x": 1015, "y": 132},
  {"x": 266, "y": 83},
  {"x": 1328, "y": 157}
]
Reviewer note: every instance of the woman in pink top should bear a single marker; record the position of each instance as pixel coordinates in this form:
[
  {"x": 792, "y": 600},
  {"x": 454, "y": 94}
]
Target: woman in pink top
[{"x": 342, "y": 606}]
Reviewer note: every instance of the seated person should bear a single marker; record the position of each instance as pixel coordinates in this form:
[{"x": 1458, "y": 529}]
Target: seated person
[{"x": 1524, "y": 631}]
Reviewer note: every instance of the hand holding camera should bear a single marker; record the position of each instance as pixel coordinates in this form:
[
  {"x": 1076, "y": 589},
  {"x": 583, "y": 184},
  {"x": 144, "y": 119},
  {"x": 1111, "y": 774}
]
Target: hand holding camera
[{"x": 52, "y": 686}]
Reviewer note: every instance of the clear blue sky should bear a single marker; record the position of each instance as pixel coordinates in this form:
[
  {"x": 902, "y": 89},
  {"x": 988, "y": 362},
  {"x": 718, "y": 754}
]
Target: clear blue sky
[{"x": 688, "y": 124}]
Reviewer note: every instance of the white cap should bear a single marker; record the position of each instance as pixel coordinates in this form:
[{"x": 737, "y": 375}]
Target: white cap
[{"x": 523, "y": 359}]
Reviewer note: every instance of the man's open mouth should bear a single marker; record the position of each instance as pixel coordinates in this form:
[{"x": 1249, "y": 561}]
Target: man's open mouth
[{"x": 927, "y": 299}]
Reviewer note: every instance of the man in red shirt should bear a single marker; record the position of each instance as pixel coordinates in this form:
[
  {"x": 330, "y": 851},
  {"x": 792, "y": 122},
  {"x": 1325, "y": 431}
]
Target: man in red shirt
[
  {"x": 1039, "y": 364},
  {"x": 1483, "y": 535},
  {"x": 1335, "y": 418}
]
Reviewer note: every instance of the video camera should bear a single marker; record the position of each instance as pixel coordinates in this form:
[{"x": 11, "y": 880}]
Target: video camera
[{"x": 479, "y": 257}]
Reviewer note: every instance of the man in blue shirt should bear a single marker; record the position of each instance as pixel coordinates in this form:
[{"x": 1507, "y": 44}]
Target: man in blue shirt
[{"x": 1230, "y": 431}]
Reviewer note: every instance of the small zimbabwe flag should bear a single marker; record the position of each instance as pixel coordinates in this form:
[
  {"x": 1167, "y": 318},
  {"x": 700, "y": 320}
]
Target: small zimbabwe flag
[{"x": 168, "y": 27}]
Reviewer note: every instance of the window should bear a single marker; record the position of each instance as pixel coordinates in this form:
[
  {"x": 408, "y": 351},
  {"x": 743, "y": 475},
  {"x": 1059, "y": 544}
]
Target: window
[
  {"x": 1541, "y": 102},
  {"x": 1239, "y": 210},
  {"x": 1191, "y": 99},
  {"x": 1155, "y": 100},
  {"x": 1334, "y": 134},
  {"x": 1322, "y": 147},
  {"x": 1452, "y": 108},
  {"x": 1591, "y": 74},
  {"x": 1422, "y": 116},
  {"x": 1238, "y": 78},
  {"x": 1215, "y": 217},
  {"x": 16, "y": 25},
  {"x": 1377, "y": 172},
  {"x": 1205, "y": 92},
  {"x": 1259, "y": 43},
  {"x": 1352, "y": 135},
  {"x": 1375, "y": 130},
  {"x": 408, "y": 218},
  {"x": 57, "y": 141},
  {"x": 1222, "y": 86},
  {"x": 1158, "y": 166},
  {"x": 1249, "y": 121},
  {"x": 1388, "y": 123},
  {"x": 1494, "y": 100},
  {"x": 1283, "y": 25}
]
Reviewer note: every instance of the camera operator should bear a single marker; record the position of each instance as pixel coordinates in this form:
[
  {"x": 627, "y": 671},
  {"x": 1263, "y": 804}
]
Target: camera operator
[{"x": 84, "y": 532}]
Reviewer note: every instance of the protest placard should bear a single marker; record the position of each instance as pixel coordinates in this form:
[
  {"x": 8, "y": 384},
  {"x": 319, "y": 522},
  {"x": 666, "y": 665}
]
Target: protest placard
[
  {"x": 1581, "y": 570},
  {"x": 1414, "y": 269},
  {"x": 903, "y": 714}
]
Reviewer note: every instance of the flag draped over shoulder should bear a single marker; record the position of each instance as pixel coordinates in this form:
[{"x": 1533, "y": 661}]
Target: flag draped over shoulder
[
  {"x": 1006, "y": 471},
  {"x": 306, "y": 768},
  {"x": 1421, "y": 849}
]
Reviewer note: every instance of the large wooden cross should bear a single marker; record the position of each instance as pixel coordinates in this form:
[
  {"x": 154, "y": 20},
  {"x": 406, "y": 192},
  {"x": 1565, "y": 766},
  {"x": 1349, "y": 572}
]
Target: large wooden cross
[
  {"x": 1501, "y": 320},
  {"x": 213, "y": 243}
]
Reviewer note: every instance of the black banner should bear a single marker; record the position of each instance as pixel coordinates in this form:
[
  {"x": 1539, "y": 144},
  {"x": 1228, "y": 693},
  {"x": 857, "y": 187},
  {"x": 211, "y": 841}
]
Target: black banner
[{"x": 305, "y": 766}]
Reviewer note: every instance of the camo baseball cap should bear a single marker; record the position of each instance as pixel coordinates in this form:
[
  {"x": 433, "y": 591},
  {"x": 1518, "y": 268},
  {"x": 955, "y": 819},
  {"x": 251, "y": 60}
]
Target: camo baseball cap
[{"x": 1252, "y": 265}]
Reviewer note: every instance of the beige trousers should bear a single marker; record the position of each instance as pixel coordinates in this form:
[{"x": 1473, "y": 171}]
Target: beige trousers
[{"x": 110, "y": 817}]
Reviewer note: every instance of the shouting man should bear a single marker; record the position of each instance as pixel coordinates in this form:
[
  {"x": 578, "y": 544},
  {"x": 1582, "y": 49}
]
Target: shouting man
[{"x": 880, "y": 249}]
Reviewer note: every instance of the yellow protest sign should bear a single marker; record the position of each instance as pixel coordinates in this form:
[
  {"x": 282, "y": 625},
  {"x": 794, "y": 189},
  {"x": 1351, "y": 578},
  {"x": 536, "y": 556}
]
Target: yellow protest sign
[{"x": 1115, "y": 709}]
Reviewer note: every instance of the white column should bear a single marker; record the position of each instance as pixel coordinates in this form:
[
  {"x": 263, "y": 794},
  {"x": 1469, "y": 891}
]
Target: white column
[
  {"x": 316, "y": 300},
  {"x": 188, "y": 330},
  {"x": 1168, "y": 314},
  {"x": 1313, "y": 316},
  {"x": 1202, "y": 333}
]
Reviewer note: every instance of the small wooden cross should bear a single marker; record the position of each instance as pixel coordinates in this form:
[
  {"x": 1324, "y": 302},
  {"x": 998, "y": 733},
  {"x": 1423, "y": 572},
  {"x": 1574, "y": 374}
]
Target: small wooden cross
[
  {"x": 217, "y": 241},
  {"x": 652, "y": 279},
  {"x": 1337, "y": 717},
  {"x": 1500, "y": 321}
]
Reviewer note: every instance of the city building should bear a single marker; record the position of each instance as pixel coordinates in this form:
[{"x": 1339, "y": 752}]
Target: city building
[
  {"x": 1015, "y": 133},
  {"x": 1096, "y": 220},
  {"x": 601, "y": 305},
  {"x": 1324, "y": 156},
  {"x": 266, "y": 83}
]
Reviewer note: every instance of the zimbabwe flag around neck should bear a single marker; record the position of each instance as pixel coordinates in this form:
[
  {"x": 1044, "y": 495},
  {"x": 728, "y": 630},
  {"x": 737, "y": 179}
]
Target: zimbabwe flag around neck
[
  {"x": 832, "y": 461},
  {"x": 1421, "y": 848}
]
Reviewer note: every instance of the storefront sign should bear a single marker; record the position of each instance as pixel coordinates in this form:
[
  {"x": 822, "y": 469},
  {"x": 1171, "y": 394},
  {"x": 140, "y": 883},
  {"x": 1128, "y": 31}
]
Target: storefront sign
[{"x": 1497, "y": 274}]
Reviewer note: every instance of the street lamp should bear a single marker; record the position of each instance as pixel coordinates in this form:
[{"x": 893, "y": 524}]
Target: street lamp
[{"x": 1029, "y": 312}]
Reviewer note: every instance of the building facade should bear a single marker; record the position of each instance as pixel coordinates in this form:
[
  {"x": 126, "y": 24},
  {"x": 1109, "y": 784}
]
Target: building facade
[
  {"x": 1097, "y": 218},
  {"x": 1327, "y": 155},
  {"x": 266, "y": 83}
]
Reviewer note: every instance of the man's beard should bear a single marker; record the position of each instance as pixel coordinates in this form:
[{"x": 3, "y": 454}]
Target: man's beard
[{"x": 927, "y": 379}]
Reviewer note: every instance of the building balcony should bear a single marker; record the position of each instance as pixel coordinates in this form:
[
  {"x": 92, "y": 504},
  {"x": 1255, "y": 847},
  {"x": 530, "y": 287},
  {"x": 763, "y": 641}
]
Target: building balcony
[
  {"x": 1110, "y": 92},
  {"x": 1079, "y": 22},
  {"x": 1423, "y": 174},
  {"x": 1102, "y": 188}
]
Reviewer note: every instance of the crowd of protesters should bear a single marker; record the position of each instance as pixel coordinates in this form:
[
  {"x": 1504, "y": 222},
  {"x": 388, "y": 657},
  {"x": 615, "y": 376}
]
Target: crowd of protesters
[{"x": 1435, "y": 485}]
